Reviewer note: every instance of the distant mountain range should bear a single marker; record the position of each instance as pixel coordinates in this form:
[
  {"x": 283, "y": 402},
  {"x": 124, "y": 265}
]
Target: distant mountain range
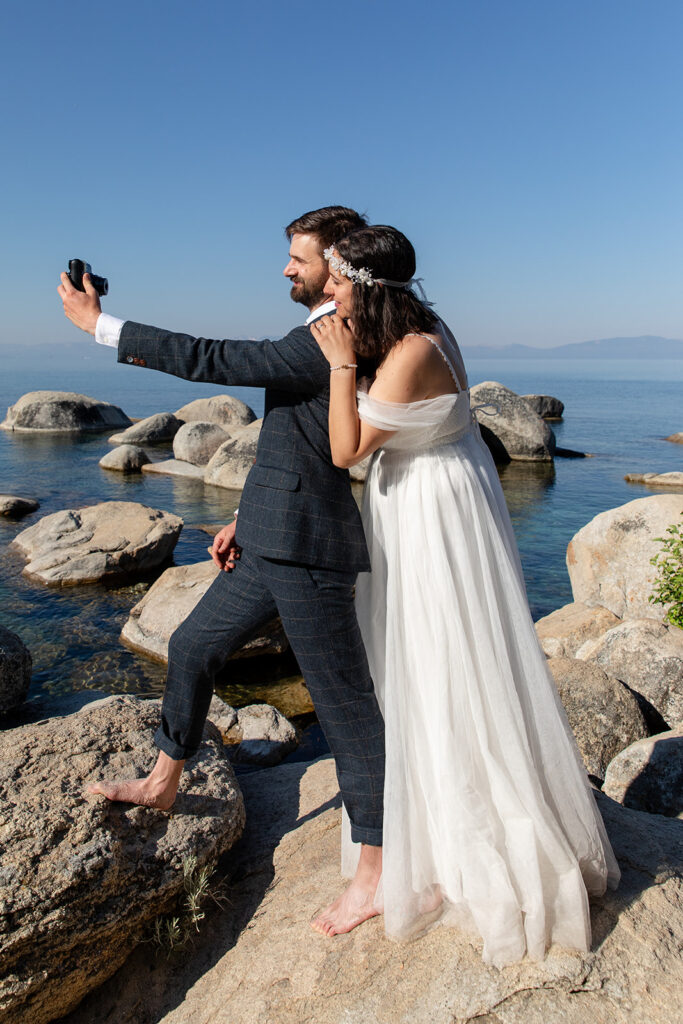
[{"x": 646, "y": 347}]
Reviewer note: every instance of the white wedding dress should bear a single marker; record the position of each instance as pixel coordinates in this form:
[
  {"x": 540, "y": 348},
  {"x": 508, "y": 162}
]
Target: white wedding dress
[{"x": 490, "y": 823}]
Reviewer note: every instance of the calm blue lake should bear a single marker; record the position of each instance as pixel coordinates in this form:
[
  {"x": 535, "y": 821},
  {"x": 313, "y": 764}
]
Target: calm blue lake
[{"x": 619, "y": 412}]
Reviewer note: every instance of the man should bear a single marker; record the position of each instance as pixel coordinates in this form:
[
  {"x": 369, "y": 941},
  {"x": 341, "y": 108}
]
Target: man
[{"x": 301, "y": 543}]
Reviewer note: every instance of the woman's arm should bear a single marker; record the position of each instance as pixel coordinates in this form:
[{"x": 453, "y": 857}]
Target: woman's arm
[{"x": 351, "y": 440}]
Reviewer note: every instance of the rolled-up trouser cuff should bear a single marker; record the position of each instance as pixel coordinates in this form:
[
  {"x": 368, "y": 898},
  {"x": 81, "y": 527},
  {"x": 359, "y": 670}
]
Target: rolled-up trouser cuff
[
  {"x": 371, "y": 836},
  {"x": 174, "y": 750}
]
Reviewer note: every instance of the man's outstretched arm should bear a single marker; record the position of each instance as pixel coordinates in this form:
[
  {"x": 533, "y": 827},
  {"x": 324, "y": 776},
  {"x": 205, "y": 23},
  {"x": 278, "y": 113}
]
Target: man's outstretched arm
[{"x": 293, "y": 363}]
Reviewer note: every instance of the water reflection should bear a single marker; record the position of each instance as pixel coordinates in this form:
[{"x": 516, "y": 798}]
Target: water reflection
[{"x": 526, "y": 486}]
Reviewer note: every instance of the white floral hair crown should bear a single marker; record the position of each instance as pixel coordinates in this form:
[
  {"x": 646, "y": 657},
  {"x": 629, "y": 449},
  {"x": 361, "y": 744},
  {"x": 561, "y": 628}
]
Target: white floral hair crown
[{"x": 362, "y": 276}]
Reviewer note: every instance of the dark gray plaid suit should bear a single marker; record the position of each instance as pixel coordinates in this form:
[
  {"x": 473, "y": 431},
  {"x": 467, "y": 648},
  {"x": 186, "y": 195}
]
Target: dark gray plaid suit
[{"x": 303, "y": 545}]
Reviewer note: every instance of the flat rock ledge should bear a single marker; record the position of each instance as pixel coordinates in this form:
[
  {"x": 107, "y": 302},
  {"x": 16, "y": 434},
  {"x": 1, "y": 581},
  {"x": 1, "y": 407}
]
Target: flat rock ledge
[
  {"x": 170, "y": 600},
  {"x": 665, "y": 480},
  {"x": 259, "y": 962},
  {"x": 82, "y": 879},
  {"x": 114, "y": 538},
  {"x": 62, "y": 412},
  {"x": 15, "y": 507}
]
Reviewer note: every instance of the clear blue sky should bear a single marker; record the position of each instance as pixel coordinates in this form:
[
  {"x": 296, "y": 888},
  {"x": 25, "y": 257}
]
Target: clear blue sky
[{"x": 531, "y": 149}]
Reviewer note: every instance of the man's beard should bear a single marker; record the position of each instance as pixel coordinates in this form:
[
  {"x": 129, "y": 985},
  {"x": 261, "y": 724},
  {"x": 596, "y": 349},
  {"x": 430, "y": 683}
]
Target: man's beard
[{"x": 308, "y": 294}]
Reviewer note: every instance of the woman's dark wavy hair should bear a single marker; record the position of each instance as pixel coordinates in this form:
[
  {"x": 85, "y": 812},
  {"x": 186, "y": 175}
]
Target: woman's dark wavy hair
[{"x": 382, "y": 315}]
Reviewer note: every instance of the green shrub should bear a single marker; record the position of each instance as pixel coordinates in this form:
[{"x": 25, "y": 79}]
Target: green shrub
[{"x": 668, "y": 588}]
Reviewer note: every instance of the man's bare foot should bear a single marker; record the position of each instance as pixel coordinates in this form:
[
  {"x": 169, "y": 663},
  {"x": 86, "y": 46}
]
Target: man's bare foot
[
  {"x": 357, "y": 903},
  {"x": 157, "y": 790}
]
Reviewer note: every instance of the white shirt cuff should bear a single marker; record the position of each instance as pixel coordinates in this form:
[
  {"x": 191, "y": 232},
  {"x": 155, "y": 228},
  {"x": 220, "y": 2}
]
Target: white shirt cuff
[{"x": 108, "y": 330}]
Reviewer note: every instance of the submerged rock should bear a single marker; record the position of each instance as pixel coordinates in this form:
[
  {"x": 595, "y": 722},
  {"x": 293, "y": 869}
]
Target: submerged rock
[
  {"x": 174, "y": 467},
  {"x": 674, "y": 480},
  {"x": 609, "y": 558},
  {"x": 81, "y": 878},
  {"x": 170, "y": 600},
  {"x": 226, "y": 411},
  {"x": 603, "y": 713},
  {"x": 156, "y": 429},
  {"x": 515, "y": 431},
  {"x": 83, "y": 545},
  {"x": 127, "y": 458},
  {"x": 196, "y": 442},
  {"x": 545, "y": 406},
  {"x": 15, "y": 507},
  {"x": 15, "y": 670},
  {"x": 648, "y": 775},
  {"x": 62, "y": 412},
  {"x": 231, "y": 463}
]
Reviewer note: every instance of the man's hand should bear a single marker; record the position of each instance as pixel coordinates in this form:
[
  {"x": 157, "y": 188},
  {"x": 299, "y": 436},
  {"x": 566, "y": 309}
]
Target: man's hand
[
  {"x": 82, "y": 308},
  {"x": 224, "y": 551}
]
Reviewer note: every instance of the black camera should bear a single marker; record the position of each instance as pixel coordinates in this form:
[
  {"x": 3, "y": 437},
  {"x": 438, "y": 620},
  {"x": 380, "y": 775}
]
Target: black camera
[{"x": 77, "y": 268}]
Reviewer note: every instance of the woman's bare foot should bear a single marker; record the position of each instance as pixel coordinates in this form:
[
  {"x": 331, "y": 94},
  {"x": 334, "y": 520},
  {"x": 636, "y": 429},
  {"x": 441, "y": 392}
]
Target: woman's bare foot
[
  {"x": 157, "y": 790},
  {"x": 357, "y": 903}
]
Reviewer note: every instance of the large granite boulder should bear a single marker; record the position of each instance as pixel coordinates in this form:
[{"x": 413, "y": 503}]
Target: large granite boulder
[
  {"x": 231, "y": 463},
  {"x": 545, "y": 406},
  {"x": 666, "y": 481},
  {"x": 83, "y": 545},
  {"x": 648, "y": 657},
  {"x": 257, "y": 734},
  {"x": 197, "y": 441},
  {"x": 226, "y": 411},
  {"x": 609, "y": 558},
  {"x": 14, "y": 507},
  {"x": 359, "y": 472},
  {"x": 604, "y": 715},
  {"x": 566, "y": 629},
  {"x": 82, "y": 879},
  {"x": 157, "y": 429},
  {"x": 170, "y": 600},
  {"x": 648, "y": 775},
  {"x": 514, "y": 431},
  {"x": 127, "y": 458},
  {"x": 676, "y": 438},
  {"x": 62, "y": 412},
  {"x": 15, "y": 670},
  {"x": 260, "y": 963}
]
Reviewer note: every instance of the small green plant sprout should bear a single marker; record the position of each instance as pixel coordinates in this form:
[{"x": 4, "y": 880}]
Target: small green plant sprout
[
  {"x": 668, "y": 587},
  {"x": 173, "y": 933}
]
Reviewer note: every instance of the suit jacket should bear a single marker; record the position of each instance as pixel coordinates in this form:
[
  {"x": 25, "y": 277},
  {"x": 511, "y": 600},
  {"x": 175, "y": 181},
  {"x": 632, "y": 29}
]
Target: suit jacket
[{"x": 296, "y": 504}]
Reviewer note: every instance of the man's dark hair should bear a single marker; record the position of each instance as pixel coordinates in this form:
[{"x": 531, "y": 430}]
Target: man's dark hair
[
  {"x": 382, "y": 315},
  {"x": 328, "y": 224}
]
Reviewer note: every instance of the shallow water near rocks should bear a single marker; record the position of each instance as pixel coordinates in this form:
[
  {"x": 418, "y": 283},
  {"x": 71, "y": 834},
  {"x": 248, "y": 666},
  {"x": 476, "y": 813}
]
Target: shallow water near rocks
[{"x": 619, "y": 412}]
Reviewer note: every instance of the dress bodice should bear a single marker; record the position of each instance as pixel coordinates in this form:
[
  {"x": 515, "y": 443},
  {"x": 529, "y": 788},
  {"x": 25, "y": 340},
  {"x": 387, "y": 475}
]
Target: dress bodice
[{"x": 418, "y": 425}]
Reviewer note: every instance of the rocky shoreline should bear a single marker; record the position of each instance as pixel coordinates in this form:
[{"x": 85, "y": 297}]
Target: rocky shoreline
[{"x": 82, "y": 881}]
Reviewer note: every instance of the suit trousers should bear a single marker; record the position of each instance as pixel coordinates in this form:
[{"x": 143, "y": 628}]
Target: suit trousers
[{"x": 317, "y": 610}]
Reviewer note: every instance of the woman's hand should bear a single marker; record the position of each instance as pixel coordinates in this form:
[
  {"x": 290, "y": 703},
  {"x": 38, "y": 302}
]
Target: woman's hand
[{"x": 335, "y": 340}]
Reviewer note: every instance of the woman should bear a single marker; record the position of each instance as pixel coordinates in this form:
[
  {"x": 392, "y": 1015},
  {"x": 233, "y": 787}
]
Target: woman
[{"x": 489, "y": 820}]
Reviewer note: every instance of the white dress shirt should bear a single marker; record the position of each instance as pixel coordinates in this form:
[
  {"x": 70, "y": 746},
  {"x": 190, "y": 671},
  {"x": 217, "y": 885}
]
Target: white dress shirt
[{"x": 108, "y": 328}]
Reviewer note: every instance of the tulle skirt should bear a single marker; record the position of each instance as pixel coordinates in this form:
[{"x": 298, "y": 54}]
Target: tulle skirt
[{"x": 490, "y": 823}]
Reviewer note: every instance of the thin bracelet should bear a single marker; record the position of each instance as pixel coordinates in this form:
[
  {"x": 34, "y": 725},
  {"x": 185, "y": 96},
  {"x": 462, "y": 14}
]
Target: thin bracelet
[{"x": 345, "y": 366}]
